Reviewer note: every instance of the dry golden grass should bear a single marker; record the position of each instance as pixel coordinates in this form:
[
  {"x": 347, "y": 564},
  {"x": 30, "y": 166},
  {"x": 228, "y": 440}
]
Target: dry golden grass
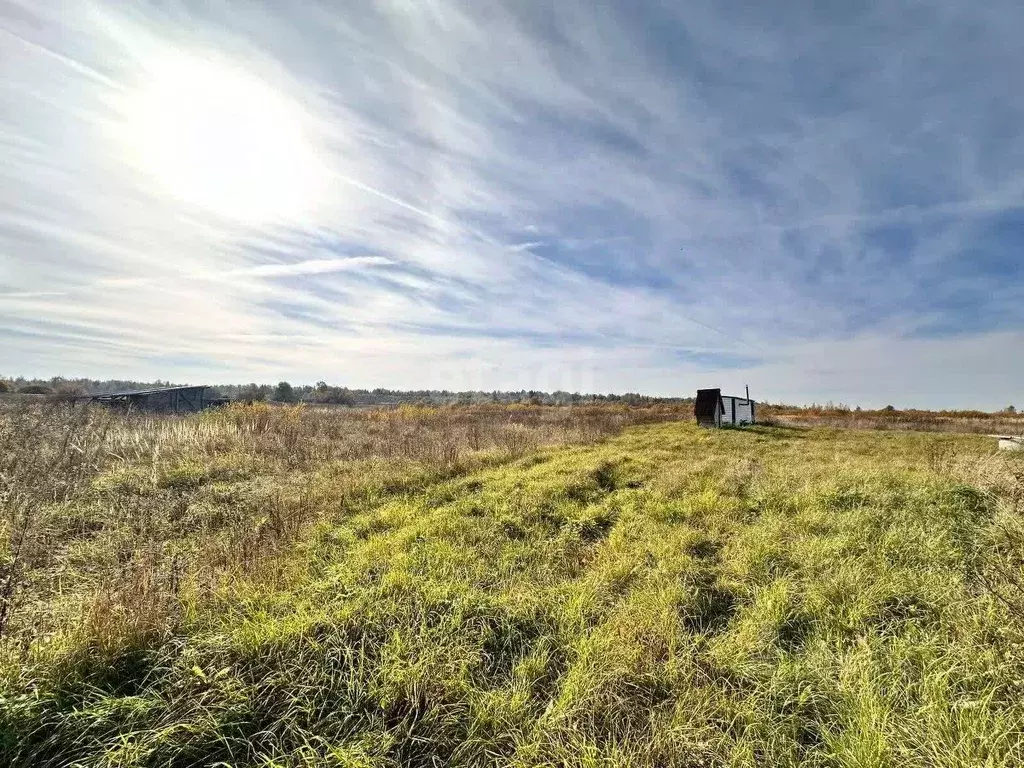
[
  {"x": 965, "y": 422},
  {"x": 505, "y": 587},
  {"x": 113, "y": 517}
]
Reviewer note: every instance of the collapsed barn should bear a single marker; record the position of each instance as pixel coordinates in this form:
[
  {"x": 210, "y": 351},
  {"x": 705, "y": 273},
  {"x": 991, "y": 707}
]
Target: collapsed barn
[{"x": 163, "y": 399}]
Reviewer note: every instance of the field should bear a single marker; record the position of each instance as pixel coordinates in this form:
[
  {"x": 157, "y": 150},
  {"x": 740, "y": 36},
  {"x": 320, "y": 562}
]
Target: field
[
  {"x": 979, "y": 422},
  {"x": 506, "y": 586}
]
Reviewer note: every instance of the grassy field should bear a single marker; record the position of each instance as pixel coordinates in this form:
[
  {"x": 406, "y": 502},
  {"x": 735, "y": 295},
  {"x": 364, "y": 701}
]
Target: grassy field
[
  {"x": 507, "y": 587},
  {"x": 978, "y": 422}
]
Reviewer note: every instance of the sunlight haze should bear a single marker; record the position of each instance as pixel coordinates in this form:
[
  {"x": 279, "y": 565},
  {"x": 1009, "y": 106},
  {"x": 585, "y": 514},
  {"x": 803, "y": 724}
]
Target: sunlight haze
[
  {"x": 223, "y": 140},
  {"x": 824, "y": 203}
]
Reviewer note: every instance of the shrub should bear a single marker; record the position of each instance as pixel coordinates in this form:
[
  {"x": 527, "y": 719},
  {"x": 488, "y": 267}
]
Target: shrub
[
  {"x": 68, "y": 392},
  {"x": 328, "y": 395},
  {"x": 35, "y": 389}
]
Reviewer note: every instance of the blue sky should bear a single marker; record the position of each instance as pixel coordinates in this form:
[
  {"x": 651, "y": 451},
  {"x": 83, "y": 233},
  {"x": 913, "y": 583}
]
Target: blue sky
[{"x": 824, "y": 201}]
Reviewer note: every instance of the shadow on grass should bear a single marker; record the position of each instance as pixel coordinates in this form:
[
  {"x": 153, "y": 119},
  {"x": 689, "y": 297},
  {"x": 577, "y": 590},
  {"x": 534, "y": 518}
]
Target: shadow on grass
[{"x": 777, "y": 431}]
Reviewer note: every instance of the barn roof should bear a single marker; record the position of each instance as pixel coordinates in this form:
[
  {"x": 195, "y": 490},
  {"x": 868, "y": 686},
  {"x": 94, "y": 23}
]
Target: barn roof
[{"x": 144, "y": 392}]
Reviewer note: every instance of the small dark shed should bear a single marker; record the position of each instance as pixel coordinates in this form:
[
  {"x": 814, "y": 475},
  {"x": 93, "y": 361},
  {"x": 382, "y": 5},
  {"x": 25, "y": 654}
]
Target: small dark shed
[
  {"x": 163, "y": 400},
  {"x": 713, "y": 409}
]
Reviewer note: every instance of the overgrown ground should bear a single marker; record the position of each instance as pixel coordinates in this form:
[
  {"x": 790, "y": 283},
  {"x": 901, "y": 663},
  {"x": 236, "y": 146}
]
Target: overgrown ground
[
  {"x": 843, "y": 417},
  {"x": 227, "y": 594}
]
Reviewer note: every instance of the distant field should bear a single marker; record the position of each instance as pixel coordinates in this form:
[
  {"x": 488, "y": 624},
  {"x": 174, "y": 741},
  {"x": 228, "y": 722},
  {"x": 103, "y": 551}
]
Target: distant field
[
  {"x": 506, "y": 586},
  {"x": 967, "y": 422}
]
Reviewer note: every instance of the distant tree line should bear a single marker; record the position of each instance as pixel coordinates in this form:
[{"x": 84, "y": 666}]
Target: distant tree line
[
  {"x": 329, "y": 394},
  {"x": 59, "y": 385}
]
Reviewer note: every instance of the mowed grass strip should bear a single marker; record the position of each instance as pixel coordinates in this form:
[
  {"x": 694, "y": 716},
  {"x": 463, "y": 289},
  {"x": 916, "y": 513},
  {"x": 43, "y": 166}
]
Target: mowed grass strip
[{"x": 667, "y": 597}]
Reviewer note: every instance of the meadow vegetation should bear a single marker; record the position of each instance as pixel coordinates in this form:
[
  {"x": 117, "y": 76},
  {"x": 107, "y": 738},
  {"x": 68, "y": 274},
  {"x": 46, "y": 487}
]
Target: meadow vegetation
[
  {"x": 506, "y": 586},
  {"x": 1006, "y": 422}
]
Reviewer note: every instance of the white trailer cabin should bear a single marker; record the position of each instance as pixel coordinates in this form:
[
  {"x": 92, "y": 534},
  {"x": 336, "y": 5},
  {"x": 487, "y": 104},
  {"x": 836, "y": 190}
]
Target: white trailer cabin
[{"x": 713, "y": 409}]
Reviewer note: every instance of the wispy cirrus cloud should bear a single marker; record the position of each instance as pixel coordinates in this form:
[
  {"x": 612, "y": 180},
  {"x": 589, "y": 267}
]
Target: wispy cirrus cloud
[{"x": 596, "y": 196}]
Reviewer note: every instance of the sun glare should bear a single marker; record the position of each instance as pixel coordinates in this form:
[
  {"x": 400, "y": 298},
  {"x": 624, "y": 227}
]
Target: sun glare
[{"x": 222, "y": 139}]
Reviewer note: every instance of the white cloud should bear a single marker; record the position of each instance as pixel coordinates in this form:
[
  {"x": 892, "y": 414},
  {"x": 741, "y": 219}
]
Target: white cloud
[{"x": 522, "y": 192}]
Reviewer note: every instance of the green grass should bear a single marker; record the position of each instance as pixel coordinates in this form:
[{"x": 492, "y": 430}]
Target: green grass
[{"x": 666, "y": 597}]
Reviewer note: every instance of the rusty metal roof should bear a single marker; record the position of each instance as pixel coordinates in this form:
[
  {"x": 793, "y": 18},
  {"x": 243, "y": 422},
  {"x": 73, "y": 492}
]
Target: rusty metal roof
[{"x": 144, "y": 392}]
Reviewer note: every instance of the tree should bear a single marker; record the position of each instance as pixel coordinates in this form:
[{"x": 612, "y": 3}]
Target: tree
[
  {"x": 69, "y": 391},
  {"x": 284, "y": 393},
  {"x": 1010, "y": 409},
  {"x": 331, "y": 395},
  {"x": 889, "y": 408},
  {"x": 254, "y": 392},
  {"x": 4, "y": 386}
]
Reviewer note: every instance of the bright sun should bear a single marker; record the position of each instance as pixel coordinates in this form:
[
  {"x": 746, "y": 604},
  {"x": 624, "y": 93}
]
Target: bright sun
[{"x": 220, "y": 138}]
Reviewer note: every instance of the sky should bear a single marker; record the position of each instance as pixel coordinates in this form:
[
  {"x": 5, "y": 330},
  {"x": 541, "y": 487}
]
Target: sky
[{"x": 821, "y": 200}]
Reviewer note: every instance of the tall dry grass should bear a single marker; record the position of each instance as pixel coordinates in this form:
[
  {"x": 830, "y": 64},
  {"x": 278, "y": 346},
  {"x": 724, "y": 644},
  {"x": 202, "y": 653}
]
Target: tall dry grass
[
  {"x": 670, "y": 596},
  {"x": 966, "y": 422},
  {"x": 47, "y": 455},
  {"x": 116, "y": 522}
]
